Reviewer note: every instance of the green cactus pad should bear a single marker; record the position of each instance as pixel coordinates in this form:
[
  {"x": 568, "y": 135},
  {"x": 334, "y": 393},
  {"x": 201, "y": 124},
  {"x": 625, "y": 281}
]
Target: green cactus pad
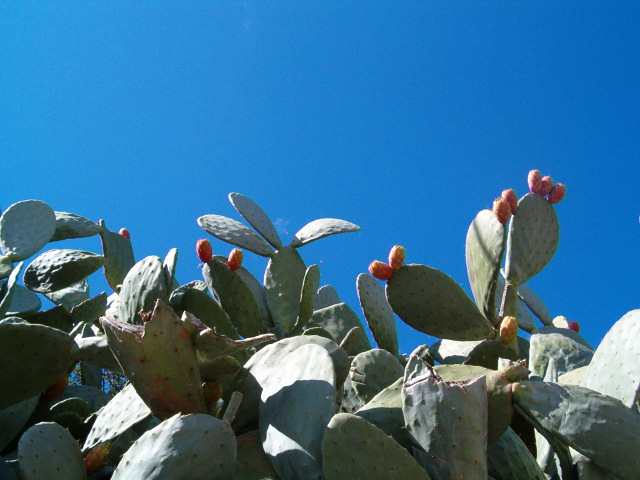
[
  {"x": 449, "y": 420},
  {"x": 56, "y": 317},
  {"x": 14, "y": 418},
  {"x": 378, "y": 313},
  {"x": 90, "y": 310},
  {"x": 210, "y": 345},
  {"x": 6, "y": 266},
  {"x": 235, "y": 233},
  {"x": 338, "y": 320},
  {"x": 598, "y": 426},
  {"x": 323, "y": 227},
  {"x": 326, "y": 296},
  {"x": 160, "y": 360},
  {"x": 70, "y": 225},
  {"x": 23, "y": 301},
  {"x": 170, "y": 263},
  {"x": 240, "y": 294},
  {"x": 60, "y": 268},
  {"x": 265, "y": 362},
  {"x": 433, "y": 303},
  {"x": 351, "y": 340},
  {"x": 7, "y": 290},
  {"x": 33, "y": 357},
  {"x": 321, "y": 332},
  {"x": 256, "y": 217},
  {"x": 614, "y": 369},
  {"x": 283, "y": 281},
  {"x": 349, "y": 400},
  {"x": 510, "y": 459},
  {"x": 192, "y": 299},
  {"x": 93, "y": 348},
  {"x": 297, "y": 402},
  {"x": 26, "y": 227},
  {"x": 123, "y": 412},
  {"x": 118, "y": 256},
  {"x": 535, "y": 304},
  {"x": 144, "y": 284},
  {"x": 353, "y": 448},
  {"x": 566, "y": 347},
  {"x": 485, "y": 245},
  {"x": 48, "y": 452},
  {"x": 71, "y": 296},
  {"x": 534, "y": 234},
  {"x": 372, "y": 371},
  {"x": 197, "y": 447},
  {"x": 95, "y": 397},
  {"x": 385, "y": 412},
  {"x": 310, "y": 286}
]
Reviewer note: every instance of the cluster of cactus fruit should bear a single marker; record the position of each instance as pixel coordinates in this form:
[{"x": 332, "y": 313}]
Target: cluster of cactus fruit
[{"x": 230, "y": 377}]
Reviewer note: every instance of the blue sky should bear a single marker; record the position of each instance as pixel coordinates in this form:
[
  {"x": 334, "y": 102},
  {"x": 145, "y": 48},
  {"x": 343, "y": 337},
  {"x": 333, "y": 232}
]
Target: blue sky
[{"x": 405, "y": 118}]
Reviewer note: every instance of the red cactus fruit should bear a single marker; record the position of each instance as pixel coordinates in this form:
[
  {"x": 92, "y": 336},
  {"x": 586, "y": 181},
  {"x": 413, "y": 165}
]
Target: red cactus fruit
[
  {"x": 396, "y": 257},
  {"x": 557, "y": 193},
  {"x": 511, "y": 198},
  {"x": 575, "y": 326},
  {"x": 204, "y": 251},
  {"x": 508, "y": 329},
  {"x": 56, "y": 389},
  {"x": 97, "y": 457},
  {"x": 502, "y": 210},
  {"x": 547, "y": 185},
  {"x": 125, "y": 233},
  {"x": 234, "y": 261},
  {"x": 535, "y": 181},
  {"x": 380, "y": 270}
]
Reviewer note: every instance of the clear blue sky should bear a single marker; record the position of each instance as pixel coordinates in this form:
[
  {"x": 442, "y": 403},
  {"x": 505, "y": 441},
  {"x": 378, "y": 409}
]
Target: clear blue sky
[{"x": 406, "y": 118}]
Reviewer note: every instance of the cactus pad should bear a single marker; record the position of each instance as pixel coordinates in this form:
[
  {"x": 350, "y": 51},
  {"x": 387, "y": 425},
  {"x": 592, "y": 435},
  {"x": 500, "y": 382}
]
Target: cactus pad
[
  {"x": 378, "y": 313},
  {"x": 257, "y": 218},
  {"x": 70, "y": 225},
  {"x": 26, "y": 227},
  {"x": 235, "y": 233},
  {"x": 60, "y": 268},
  {"x": 321, "y": 228}
]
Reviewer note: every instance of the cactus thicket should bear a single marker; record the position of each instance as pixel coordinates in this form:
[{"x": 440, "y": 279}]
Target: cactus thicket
[{"x": 274, "y": 377}]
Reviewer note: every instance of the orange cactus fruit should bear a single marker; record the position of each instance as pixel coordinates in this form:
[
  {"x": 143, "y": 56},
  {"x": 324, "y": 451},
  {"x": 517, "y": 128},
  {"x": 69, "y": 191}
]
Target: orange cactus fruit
[
  {"x": 557, "y": 193},
  {"x": 502, "y": 210},
  {"x": 396, "y": 257},
  {"x": 380, "y": 270},
  {"x": 204, "y": 251},
  {"x": 125, "y": 233},
  {"x": 535, "y": 181},
  {"x": 234, "y": 261},
  {"x": 97, "y": 457},
  {"x": 508, "y": 329},
  {"x": 511, "y": 198}
]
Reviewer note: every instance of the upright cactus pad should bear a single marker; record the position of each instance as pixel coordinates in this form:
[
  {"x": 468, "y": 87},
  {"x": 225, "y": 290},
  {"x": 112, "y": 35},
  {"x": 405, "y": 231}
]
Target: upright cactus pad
[
  {"x": 256, "y": 217},
  {"x": 144, "y": 284},
  {"x": 283, "y": 281},
  {"x": 378, "y": 312},
  {"x": 118, "y": 256},
  {"x": 26, "y": 227}
]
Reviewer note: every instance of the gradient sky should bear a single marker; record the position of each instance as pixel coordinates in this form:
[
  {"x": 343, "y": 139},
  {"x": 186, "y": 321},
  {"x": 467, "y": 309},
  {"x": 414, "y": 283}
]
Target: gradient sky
[{"x": 406, "y": 118}]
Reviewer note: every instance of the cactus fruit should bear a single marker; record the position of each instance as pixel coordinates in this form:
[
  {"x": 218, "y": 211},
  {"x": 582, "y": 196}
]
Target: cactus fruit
[
  {"x": 557, "y": 193},
  {"x": 97, "y": 457},
  {"x": 535, "y": 181},
  {"x": 396, "y": 257},
  {"x": 511, "y": 198},
  {"x": 125, "y": 233},
  {"x": 235, "y": 259},
  {"x": 56, "y": 389},
  {"x": 380, "y": 270},
  {"x": 508, "y": 329},
  {"x": 204, "y": 251},
  {"x": 502, "y": 210},
  {"x": 575, "y": 326},
  {"x": 547, "y": 185}
]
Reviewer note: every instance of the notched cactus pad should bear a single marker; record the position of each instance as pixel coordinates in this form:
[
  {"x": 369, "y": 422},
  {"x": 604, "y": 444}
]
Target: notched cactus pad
[
  {"x": 60, "y": 268},
  {"x": 433, "y": 303},
  {"x": 323, "y": 227},
  {"x": 26, "y": 227}
]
